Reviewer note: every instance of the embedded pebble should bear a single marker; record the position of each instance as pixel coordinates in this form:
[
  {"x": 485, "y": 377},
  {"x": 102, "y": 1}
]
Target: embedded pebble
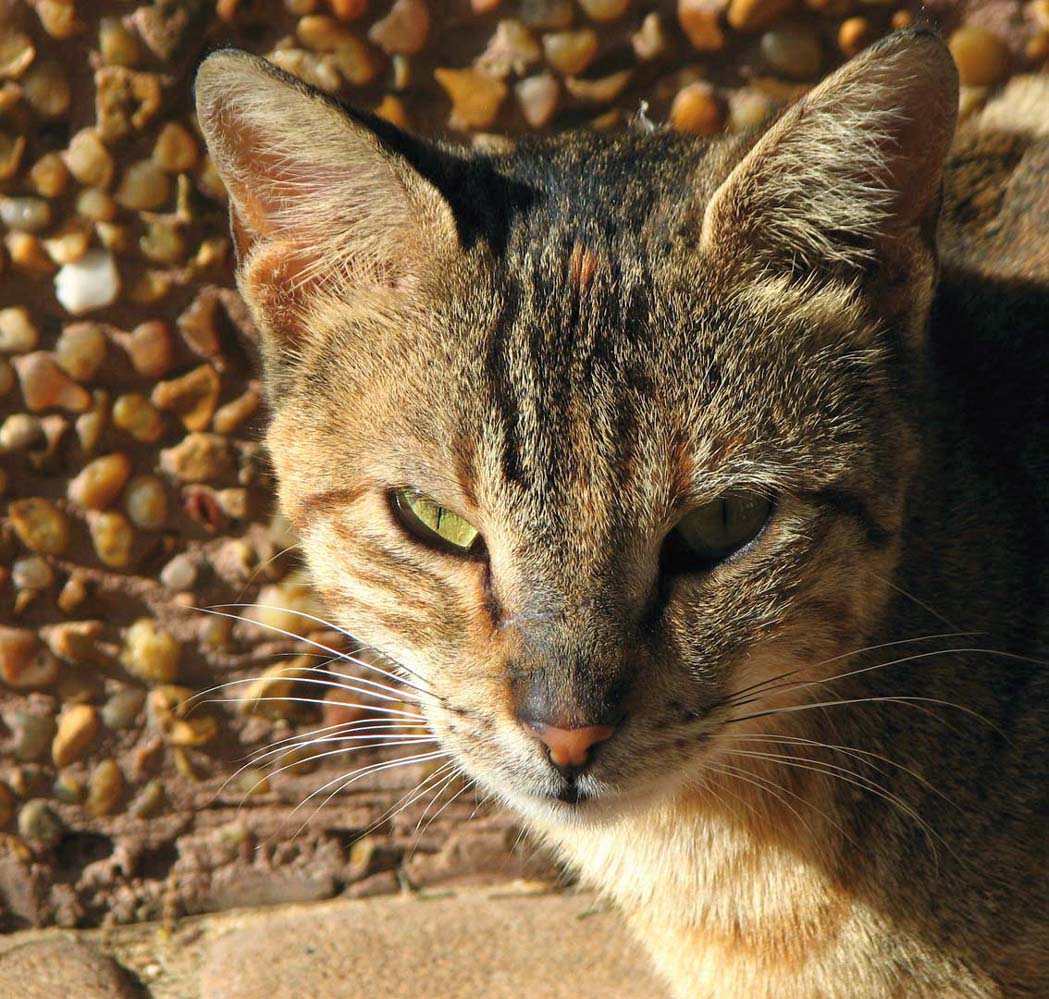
[
  {"x": 198, "y": 325},
  {"x": 11, "y": 149},
  {"x": 116, "y": 44},
  {"x": 27, "y": 254},
  {"x": 146, "y": 502},
  {"x": 40, "y": 525},
  {"x": 134, "y": 413},
  {"x": 854, "y": 35},
  {"x": 88, "y": 160},
  {"x": 649, "y": 42},
  {"x": 78, "y": 642},
  {"x": 80, "y": 350},
  {"x": 96, "y": 205},
  {"x": 695, "y": 109},
  {"x": 92, "y": 282},
  {"x": 981, "y": 56},
  {"x": 192, "y": 397},
  {"x": 46, "y": 89},
  {"x": 403, "y": 29},
  {"x": 32, "y": 573},
  {"x": 475, "y": 96},
  {"x": 599, "y": 91},
  {"x": 700, "y": 20},
  {"x": 604, "y": 10},
  {"x": 756, "y": 15},
  {"x": 198, "y": 457},
  {"x": 32, "y": 734},
  {"x": 150, "y": 653},
  {"x": 179, "y": 726},
  {"x": 68, "y": 789},
  {"x": 69, "y": 242},
  {"x": 537, "y": 97},
  {"x": 106, "y": 788},
  {"x": 149, "y": 801},
  {"x": 77, "y": 729},
  {"x": 73, "y": 594},
  {"x": 38, "y": 823},
  {"x": 176, "y": 149},
  {"x": 7, "y": 805},
  {"x": 45, "y": 385},
  {"x": 100, "y": 481},
  {"x": 792, "y": 49},
  {"x": 163, "y": 242},
  {"x": 17, "y": 53},
  {"x": 271, "y": 694},
  {"x": 25, "y": 214},
  {"x": 49, "y": 176},
  {"x": 748, "y": 108},
  {"x": 123, "y": 708},
  {"x": 512, "y": 49},
  {"x": 18, "y": 334},
  {"x": 235, "y": 502},
  {"x": 286, "y": 606},
  {"x": 112, "y": 536},
  {"x": 25, "y": 662},
  {"x": 570, "y": 52},
  {"x": 144, "y": 186},
  {"x": 58, "y": 18},
  {"x": 150, "y": 348},
  {"x": 253, "y": 781},
  {"x": 234, "y": 413},
  {"x": 20, "y": 431},
  {"x": 125, "y": 100},
  {"x": 347, "y": 10},
  {"x": 547, "y": 15},
  {"x": 89, "y": 425},
  {"x": 180, "y": 573}
]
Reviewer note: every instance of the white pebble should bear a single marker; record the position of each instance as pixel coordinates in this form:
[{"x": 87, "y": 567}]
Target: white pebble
[{"x": 92, "y": 282}]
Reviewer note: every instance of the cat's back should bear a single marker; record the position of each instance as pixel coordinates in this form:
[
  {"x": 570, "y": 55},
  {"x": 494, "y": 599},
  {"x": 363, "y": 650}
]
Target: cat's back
[
  {"x": 990, "y": 325},
  {"x": 992, "y": 315}
]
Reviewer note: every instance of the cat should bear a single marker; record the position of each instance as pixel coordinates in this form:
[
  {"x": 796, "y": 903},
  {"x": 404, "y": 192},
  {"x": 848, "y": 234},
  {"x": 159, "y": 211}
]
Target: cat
[{"x": 700, "y": 489}]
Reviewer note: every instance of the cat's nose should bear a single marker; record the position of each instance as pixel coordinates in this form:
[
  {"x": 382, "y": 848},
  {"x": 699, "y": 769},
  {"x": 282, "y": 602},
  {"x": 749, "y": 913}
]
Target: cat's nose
[{"x": 569, "y": 748}]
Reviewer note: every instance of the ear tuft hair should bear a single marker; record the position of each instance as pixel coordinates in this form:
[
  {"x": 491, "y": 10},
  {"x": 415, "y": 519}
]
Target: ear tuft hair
[
  {"x": 319, "y": 203},
  {"x": 855, "y": 163}
]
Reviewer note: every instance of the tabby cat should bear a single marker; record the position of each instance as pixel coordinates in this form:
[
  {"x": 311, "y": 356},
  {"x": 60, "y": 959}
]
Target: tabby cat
[{"x": 699, "y": 485}]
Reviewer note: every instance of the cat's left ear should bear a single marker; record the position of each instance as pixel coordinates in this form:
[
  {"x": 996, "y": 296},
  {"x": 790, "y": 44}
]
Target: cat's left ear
[
  {"x": 320, "y": 201},
  {"x": 849, "y": 175}
]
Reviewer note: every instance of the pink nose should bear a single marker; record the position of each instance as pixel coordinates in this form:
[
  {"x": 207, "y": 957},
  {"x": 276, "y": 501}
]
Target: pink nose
[{"x": 569, "y": 747}]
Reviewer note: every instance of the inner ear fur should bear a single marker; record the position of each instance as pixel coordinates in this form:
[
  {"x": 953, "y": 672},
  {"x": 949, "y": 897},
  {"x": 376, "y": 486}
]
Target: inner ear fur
[
  {"x": 319, "y": 202},
  {"x": 852, "y": 173}
]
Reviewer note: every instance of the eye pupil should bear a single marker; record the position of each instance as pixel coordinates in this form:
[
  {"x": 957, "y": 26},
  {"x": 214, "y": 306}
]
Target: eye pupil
[
  {"x": 434, "y": 525},
  {"x": 712, "y": 532}
]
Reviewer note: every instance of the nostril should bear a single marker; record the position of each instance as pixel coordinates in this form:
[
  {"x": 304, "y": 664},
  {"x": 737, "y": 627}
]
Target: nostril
[{"x": 569, "y": 747}]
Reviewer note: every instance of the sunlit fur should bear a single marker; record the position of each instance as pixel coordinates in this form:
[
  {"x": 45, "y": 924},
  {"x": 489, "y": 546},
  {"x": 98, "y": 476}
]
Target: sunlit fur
[{"x": 828, "y": 779}]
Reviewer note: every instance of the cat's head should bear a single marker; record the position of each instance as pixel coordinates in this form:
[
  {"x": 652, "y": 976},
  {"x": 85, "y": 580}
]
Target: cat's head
[{"x": 596, "y": 433}]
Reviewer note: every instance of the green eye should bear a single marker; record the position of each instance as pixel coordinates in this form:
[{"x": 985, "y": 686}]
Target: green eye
[
  {"x": 715, "y": 530},
  {"x": 434, "y": 524}
]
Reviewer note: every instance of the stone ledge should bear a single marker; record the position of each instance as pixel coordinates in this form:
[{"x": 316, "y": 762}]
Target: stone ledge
[{"x": 497, "y": 942}]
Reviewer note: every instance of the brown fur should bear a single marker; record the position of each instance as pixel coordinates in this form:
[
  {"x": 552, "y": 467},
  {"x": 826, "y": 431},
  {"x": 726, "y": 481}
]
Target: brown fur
[{"x": 573, "y": 343}]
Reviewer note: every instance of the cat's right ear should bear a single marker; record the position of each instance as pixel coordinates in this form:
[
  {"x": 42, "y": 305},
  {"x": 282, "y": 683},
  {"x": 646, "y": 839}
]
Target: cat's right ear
[{"x": 320, "y": 204}]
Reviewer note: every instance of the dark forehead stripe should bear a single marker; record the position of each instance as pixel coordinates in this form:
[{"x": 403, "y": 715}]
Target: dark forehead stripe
[
  {"x": 562, "y": 359},
  {"x": 503, "y": 392}
]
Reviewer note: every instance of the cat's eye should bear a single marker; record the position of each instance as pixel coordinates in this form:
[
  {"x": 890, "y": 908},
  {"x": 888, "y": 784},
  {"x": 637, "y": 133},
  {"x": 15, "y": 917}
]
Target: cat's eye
[
  {"x": 714, "y": 531},
  {"x": 434, "y": 524}
]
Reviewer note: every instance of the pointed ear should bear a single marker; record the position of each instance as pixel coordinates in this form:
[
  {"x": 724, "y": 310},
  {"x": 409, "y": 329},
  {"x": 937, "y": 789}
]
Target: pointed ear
[
  {"x": 320, "y": 202},
  {"x": 851, "y": 173}
]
